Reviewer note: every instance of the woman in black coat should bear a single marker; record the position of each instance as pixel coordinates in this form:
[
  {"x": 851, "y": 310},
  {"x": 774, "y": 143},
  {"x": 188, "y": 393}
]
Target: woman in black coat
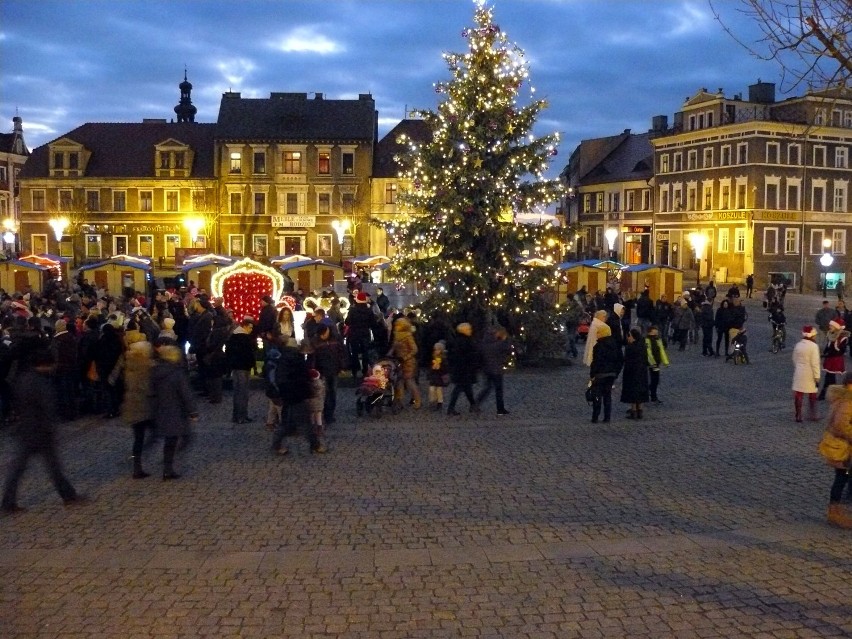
[
  {"x": 464, "y": 363},
  {"x": 174, "y": 404},
  {"x": 607, "y": 361},
  {"x": 723, "y": 323},
  {"x": 634, "y": 382}
]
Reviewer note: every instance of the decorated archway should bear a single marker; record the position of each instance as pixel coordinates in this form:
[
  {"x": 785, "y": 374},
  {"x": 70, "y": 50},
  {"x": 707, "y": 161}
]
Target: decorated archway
[{"x": 242, "y": 285}]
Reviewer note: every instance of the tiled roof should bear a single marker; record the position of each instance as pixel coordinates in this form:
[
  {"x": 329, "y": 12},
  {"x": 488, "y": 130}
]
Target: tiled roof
[
  {"x": 7, "y": 143},
  {"x": 292, "y": 116},
  {"x": 619, "y": 158},
  {"x": 126, "y": 150},
  {"x": 384, "y": 164}
]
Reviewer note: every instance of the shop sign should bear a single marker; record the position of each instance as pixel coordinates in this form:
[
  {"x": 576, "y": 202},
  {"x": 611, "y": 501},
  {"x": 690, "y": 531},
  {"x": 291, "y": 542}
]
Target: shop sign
[{"x": 294, "y": 221}]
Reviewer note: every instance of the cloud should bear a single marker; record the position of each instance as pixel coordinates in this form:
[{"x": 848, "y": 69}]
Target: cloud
[
  {"x": 235, "y": 70},
  {"x": 307, "y": 39}
]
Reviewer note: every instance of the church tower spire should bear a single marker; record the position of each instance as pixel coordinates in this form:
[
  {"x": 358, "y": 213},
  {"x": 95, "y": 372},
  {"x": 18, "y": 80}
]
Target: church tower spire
[{"x": 185, "y": 110}]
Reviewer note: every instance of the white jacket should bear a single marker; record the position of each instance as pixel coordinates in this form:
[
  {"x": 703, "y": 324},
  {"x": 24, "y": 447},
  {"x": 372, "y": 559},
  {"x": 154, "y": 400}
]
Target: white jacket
[{"x": 806, "y": 361}]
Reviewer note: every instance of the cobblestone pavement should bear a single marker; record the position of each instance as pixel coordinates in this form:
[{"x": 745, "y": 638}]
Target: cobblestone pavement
[{"x": 705, "y": 519}]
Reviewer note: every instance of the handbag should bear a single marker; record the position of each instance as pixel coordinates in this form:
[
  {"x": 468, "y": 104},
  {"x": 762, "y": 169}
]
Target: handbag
[
  {"x": 591, "y": 391},
  {"x": 836, "y": 450}
]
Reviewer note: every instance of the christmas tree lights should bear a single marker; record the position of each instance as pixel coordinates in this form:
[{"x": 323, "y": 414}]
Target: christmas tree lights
[{"x": 461, "y": 241}]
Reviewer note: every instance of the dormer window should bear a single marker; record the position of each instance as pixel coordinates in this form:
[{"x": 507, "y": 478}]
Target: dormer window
[
  {"x": 73, "y": 160},
  {"x": 58, "y": 160},
  {"x": 164, "y": 159},
  {"x": 180, "y": 159}
]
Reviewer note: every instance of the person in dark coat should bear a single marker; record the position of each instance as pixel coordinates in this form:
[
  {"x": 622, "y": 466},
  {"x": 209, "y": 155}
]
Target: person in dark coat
[
  {"x": 34, "y": 399},
  {"x": 382, "y": 300},
  {"x": 663, "y": 316},
  {"x": 614, "y": 321},
  {"x": 464, "y": 362},
  {"x": 240, "y": 355},
  {"x": 138, "y": 408},
  {"x": 267, "y": 319},
  {"x": 360, "y": 321},
  {"x": 634, "y": 380},
  {"x": 174, "y": 404},
  {"x": 293, "y": 384},
  {"x": 63, "y": 346},
  {"x": 607, "y": 360},
  {"x": 329, "y": 361},
  {"x": 495, "y": 350},
  {"x": 708, "y": 322},
  {"x": 108, "y": 356},
  {"x": 722, "y": 322}
]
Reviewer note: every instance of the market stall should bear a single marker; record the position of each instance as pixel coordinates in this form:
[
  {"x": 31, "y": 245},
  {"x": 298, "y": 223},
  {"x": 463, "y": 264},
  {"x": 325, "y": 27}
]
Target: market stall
[
  {"x": 309, "y": 274},
  {"x": 657, "y": 278},
  {"x": 19, "y": 276},
  {"x": 118, "y": 273},
  {"x": 200, "y": 269},
  {"x": 576, "y": 275}
]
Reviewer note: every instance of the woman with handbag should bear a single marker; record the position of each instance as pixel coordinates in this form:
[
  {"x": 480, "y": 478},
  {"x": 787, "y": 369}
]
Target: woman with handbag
[
  {"x": 836, "y": 447},
  {"x": 607, "y": 360}
]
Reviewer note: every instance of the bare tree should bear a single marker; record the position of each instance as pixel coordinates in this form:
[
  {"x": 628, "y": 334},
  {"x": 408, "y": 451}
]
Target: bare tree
[{"x": 809, "y": 39}]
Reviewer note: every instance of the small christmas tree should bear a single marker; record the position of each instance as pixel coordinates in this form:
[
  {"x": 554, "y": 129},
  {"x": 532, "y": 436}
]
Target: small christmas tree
[{"x": 483, "y": 166}]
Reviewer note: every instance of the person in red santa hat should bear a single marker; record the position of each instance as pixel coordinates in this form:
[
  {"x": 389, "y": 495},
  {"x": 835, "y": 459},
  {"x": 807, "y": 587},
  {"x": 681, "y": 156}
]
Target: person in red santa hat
[{"x": 833, "y": 354}]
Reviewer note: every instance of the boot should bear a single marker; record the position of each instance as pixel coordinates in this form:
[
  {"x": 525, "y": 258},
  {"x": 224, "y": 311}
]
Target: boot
[
  {"x": 631, "y": 414},
  {"x": 138, "y": 473},
  {"x": 639, "y": 414},
  {"x": 838, "y": 516}
]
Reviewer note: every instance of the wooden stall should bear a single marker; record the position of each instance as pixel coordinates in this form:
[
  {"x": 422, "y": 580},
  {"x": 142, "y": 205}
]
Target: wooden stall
[
  {"x": 118, "y": 273},
  {"x": 19, "y": 276},
  {"x": 200, "y": 269},
  {"x": 659, "y": 280},
  {"x": 576, "y": 275},
  {"x": 310, "y": 274}
]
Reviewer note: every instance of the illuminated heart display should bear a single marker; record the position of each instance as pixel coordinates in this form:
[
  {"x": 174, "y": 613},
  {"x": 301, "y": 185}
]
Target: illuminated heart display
[{"x": 242, "y": 285}]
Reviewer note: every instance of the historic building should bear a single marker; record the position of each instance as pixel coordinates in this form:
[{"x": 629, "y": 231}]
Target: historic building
[
  {"x": 756, "y": 186},
  {"x": 609, "y": 190},
  {"x": 387, "y": 185},
  {"x": 13, "y": 156}
]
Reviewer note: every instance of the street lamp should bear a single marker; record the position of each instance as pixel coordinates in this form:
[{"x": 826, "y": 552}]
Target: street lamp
[
  {"x": 194, "y": 226},
  {"x": 699, "y": 243},
  {"x": 340, "y": 227},
  {"x": 610, "y": 234},
  {"x": 826, "y": 259}
]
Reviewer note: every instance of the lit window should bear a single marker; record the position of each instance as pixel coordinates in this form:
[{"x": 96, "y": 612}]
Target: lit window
[
  {"x": 324, "y": 163},
  {"x": 236, "y": 162},
  {"x": 791, "y": 241},
  {"x": 390, "y": 193},
  {"x": 292, "y": 162},
  {"x": 236, "y": 202},
  {"x": 739, "y": 240},
  {"x": 172, "y": 201},
  {"x": 38, "y": 200},
  {"x": 324, "y": 203},
  {"x": 146, "y": 201}
]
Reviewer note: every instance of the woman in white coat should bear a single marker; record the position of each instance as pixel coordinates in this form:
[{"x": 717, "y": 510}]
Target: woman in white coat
[
  {"x": 806, "y": 373},
  {"x": 598, "y": 320}
]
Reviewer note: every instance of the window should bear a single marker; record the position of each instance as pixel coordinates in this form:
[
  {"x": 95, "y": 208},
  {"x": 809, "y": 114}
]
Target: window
[
  {"x": 793, "y": 195},
  {"x": 324, "y": 163},
  {"x": 726, "y": 156},
  {"x": 742, "y": 153},
  {"x": 146, "y": 245},
  {"x": 707, "y": 162},
  {"x": 725, "y": 197},
  {"x": 677, "y": 198},
  {"x": 324, "y": 246},
  {"x": 93, "y": 201},
  {"x": 94, "y": 246},
  {"x": 164, "y": 159},
  {"x": 847, "y": 119},
  {"x": 38, "y": 200},
  {"x": 664, "y": 199},
  {"x": 171, "y": 243},
  {"x": 791, "y": 242},
  {"x": 260, "y": 203},
  {"x": 838, "y": 241},
  {"x": 259, "y": 244},
  {"x": 348, "y": 163},
  {"x": 119, "y": 201},
  {"x": 724, "y": 240},
  {"x": 390, "y": 193},
  {"x": 773, "y": 152},
  {"x": 587, "y": 203},
  {"x": 836, "y": 117},
  {"x": 599, "y": 202},
  {"x": 73, "y": 160},
  {"x": 691, "y": 198},
  {"x": 741, "y": 196},
  {"x": 818, "y": 195},
  {"x": 180, "y": 159},
  {"x": 3, "y": 174},
  {"x": 841, "y": 157},
  {"x": 794, "y": 154},
  {"x": 323, "y": 203},
  {"x": 771, "y": 194},
  {"x": 292, "y": 162},
  {"x": 614, "y": 201},
  {"x": 692, "y": 123},
  {"x": 291, "y": 203},
  {"x": 348, "y": 203},
  {"x": 236, "y": 162},
  {"x": 631, "y": 201},
  {"x": 770, "y": 241},
  {"x": 819, "y": 117},
  {"x": 259, "y": 164},
  {"x": 840, "y": 197},
  {"x": 678, "y": 161},
  {"x": 664, "y": 163},
  {"x": 817, "y": 236},
  {"x": 235, "y": 203},
  {"x": 819, "y": 156},
  {"x": 199, "y": 200},
  {"x": 172, "y": 201},
  {"x": 646, "y": 200},
  {"x": 739, "y": 240},
  {"x": 66, "y": 200},
  {"x": 146, "y": 200},
  {"x": 708, "y": 197},
  {"x": 710, "y": 119},
  {"x": 692, "y": 160},
  {"x": 235, "y": 244},
  {"x": 57, "y": 161}
]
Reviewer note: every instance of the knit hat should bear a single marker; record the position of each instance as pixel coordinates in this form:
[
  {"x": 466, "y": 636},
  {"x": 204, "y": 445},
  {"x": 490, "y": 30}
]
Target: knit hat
[
  {"x": 168, "y": 323},
  {"x": 837, "y": 323},
  {"x": 464, "y": 329},
  {"x": 604, "y": 331},
  {"x": 60, "y": 326},
  {"x": 808, "y": 331},
  {"x": 361, "y": 298},
  {"x": 314, "y": 373}
]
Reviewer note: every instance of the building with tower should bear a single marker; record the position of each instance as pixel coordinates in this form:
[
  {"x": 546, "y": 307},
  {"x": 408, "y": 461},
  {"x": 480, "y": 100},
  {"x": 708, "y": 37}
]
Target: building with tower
[{"x": 13, "y": 156}]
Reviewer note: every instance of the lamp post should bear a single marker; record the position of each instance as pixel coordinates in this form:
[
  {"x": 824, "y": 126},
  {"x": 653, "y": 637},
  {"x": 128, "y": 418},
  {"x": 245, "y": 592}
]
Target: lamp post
[
  {"x": 826, "y": 259},
  {"x": 610, "y": 234},
  {"x": 340, "y": 227},
  {"x": 194, "y": 226},
  {"x": 699, "y": 243}
]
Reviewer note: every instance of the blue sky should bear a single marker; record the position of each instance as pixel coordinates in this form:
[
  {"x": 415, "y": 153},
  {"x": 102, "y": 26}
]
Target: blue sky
[{"x": 604, "y": 65}]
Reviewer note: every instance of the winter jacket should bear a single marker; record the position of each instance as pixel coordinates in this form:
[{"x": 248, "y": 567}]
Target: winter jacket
[
  {"x": 656, "y": 352},
  {"x": 607, "y": 358},
  {"x": 174, "y": 402},
  {"x": 707, "y": 319},
  {"x": 291, "y": 376},
  {"x": 360, "y": 321},
  {"x": 328, "y": 356},
  {"x": 64, "y": 350},
  {"x": 404, "y": 348},
  {"x": 634, "y": 380},
  {"x": 840, "y": 414},
  {"x": 806, "y": 362},
  {"x": 240, "y": 350},
  {"x": 495, "y": 354},
  {"x": 723, "y": 317},
  {"x": 834, "y": 351},
  {"x": 138, "y": 404},
  {"x": 464, "y": 360},
  {"x": 591, "y": 340}
]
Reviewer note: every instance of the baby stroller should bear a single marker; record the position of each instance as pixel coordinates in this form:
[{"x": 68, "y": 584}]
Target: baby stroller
[{"x": 378, "y": 388}]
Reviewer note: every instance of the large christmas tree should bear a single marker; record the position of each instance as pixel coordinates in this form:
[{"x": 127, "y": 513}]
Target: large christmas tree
[{"x": 481, "y": 169}]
